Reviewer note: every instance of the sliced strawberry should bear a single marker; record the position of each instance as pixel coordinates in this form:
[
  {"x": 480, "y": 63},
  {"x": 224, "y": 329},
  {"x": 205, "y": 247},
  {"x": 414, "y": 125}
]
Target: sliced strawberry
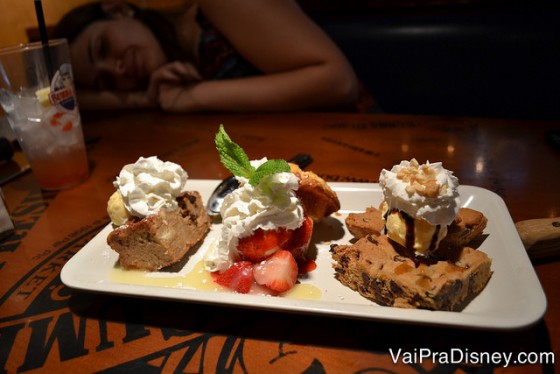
[
  {"x": 278, "y": 272},
  {"x": 262, "y": 243},
  {"x": 238, "y": 277},
  {"x": 300, "y": 239},
  {"x": 306, "y": 266}
]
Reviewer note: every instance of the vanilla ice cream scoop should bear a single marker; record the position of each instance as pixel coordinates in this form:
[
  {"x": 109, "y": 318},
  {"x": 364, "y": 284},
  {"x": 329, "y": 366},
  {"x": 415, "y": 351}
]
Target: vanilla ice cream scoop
[
  {"x": 420, "y": 202},
  {"x": 145, "y": 187}
]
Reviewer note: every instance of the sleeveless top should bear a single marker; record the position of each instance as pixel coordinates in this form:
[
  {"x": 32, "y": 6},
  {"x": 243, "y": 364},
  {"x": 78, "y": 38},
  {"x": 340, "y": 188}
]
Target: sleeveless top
[{"x": 217, "y": 59}]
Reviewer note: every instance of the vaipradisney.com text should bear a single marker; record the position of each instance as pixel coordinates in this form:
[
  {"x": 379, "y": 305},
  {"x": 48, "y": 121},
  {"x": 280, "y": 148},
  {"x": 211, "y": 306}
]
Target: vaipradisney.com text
[{"x": 465, "y": 356}]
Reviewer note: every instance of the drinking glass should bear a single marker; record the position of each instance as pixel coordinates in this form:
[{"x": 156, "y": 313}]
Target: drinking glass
[{"x": 37, "y": 93}]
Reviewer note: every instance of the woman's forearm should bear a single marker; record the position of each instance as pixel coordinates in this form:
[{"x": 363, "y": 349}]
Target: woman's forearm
[{"x": 308, "y": 87}]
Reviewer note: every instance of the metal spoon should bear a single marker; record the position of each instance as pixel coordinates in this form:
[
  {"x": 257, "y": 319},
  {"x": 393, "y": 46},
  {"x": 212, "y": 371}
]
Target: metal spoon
[{"x": 229, "y": 184}]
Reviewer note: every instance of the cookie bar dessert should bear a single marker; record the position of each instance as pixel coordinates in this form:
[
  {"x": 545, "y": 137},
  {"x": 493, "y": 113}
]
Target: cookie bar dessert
[{"x": 413, "y": 251}]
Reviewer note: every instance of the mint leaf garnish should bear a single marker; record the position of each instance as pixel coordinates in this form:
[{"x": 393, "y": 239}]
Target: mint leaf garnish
[
  {"x": 234, "y": 158},
  {"x": 268, "y": 168}
]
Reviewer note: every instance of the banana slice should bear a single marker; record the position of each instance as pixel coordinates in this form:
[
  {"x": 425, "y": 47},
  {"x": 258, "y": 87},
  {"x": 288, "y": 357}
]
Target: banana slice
[{"x": 43, "y": 96}]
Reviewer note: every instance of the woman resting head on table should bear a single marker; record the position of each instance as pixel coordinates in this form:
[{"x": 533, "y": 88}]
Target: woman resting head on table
[{"x": 215, "y": 55}]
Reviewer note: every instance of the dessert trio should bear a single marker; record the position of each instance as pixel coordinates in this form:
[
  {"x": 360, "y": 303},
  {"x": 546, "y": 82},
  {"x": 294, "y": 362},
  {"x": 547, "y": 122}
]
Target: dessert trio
[{"x": 415, "y": 250}]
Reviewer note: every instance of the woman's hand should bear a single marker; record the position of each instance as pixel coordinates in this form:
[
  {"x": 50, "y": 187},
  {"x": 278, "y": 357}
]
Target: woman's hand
[
  {"x": 178, "y": 98},
  {"x": 170, "y": 75}
]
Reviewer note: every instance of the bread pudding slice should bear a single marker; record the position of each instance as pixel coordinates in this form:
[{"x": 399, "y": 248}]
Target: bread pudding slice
[{"x": 161, "y": 239}]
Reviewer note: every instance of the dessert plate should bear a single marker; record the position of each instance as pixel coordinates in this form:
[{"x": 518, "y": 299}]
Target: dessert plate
[{"x": 512, "y": 299}]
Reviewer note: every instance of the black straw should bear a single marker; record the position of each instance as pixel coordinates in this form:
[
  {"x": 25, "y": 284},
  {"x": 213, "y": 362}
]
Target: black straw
[{"x": 44, "y": 38}]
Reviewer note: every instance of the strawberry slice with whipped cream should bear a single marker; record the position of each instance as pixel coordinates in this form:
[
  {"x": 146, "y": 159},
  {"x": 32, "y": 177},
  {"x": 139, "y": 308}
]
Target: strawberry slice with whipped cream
[
  {"x": 263, "y": 221},
  {"x": 299, "y": 240},
  {"x": 263, "y": 243}
]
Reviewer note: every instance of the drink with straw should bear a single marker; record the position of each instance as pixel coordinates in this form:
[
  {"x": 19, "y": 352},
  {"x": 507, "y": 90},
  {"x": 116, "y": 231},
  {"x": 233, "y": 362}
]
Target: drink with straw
[{"x": 42, "y": 110}]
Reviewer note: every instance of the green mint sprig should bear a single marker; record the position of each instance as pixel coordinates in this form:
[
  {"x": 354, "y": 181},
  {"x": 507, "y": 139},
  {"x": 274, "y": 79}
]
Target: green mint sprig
[{"x": 234, "y": 158}]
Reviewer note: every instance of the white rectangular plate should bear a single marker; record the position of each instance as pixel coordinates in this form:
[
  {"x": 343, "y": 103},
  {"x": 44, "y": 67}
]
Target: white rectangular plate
[{"x": 512, "y": 299}]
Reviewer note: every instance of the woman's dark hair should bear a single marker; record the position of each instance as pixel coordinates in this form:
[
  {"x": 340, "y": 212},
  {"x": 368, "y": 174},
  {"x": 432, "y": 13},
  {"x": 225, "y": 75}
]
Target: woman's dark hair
[{"x": 75, "y": 21}]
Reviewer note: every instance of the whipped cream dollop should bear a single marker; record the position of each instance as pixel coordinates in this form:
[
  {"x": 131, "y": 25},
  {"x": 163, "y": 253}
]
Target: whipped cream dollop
[
  {"x": 269, "y": 205},
  {"x": 427, "y": 191},
  {"x": 149, "y": 185}
]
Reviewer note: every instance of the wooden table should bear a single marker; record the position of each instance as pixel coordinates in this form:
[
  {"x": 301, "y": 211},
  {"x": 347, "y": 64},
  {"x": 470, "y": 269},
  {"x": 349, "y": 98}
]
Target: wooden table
[{"x": 44, "y": 325}]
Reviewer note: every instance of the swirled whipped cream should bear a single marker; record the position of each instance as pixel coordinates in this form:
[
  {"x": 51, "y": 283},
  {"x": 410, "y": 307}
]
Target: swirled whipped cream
[
  {"x": 149, "y": 185},
  {"x": 426, "y": 196},
  {"x": 269, "y": 205}
]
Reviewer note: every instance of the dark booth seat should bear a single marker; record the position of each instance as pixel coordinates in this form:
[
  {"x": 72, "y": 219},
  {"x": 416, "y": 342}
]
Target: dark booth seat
[{"x": 485, "y": 64}]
